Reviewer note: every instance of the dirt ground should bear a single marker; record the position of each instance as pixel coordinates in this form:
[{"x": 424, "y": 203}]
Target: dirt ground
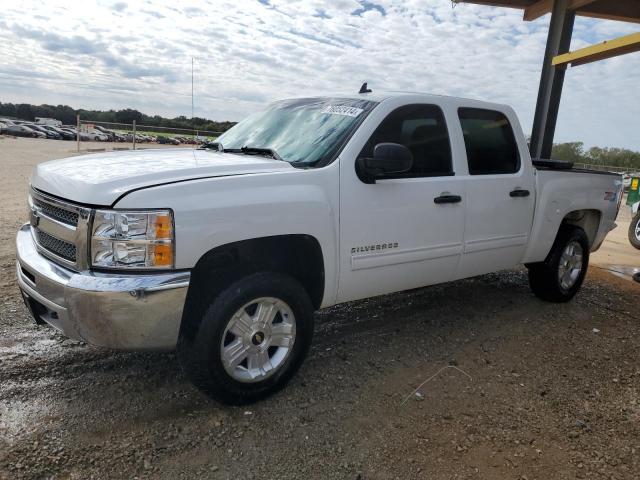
[{"x": 517, "y": 388}]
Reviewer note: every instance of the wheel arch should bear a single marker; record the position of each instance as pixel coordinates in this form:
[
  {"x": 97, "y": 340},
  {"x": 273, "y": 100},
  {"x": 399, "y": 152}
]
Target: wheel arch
[
  {"x": 298, "y": 255},
  {"x": 587, "y": 219}
]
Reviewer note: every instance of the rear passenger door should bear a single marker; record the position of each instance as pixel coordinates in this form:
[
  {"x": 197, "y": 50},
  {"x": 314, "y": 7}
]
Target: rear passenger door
[{"x": 500, "y": 194}]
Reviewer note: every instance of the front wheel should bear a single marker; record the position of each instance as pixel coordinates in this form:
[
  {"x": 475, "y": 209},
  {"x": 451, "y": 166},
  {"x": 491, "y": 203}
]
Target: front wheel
[
  {"x": 560, "y": 276},
  {"x": 634, "y": 231},
  {"x": 251, "y": 339}
]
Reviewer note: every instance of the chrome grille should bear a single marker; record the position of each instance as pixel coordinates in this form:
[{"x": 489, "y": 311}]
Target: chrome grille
[
  {"x": 58, "y": 247},
  {"x": 60, "y": 229},
  {"x": 57, "y": 213}
]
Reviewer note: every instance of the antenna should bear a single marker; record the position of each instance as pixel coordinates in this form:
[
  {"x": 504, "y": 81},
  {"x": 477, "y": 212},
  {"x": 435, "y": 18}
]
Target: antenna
[{"x": 364, "y": 89}]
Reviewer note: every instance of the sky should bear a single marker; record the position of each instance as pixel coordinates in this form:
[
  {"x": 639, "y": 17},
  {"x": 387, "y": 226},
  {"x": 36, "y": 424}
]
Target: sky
[{"x": 247, "y": 53}]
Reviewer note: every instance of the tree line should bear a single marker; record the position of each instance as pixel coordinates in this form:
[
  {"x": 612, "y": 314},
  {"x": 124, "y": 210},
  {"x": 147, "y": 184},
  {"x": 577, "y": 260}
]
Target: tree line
[
  {"x": 67, "y": 115},
  {"x": 611, "y": 157}
]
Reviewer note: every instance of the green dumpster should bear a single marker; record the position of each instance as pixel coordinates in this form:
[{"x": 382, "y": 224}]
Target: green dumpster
[{"x": 634, "y": 191}]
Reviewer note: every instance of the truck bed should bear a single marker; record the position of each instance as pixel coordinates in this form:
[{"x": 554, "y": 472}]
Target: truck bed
[{"x": 565, "y": 166}]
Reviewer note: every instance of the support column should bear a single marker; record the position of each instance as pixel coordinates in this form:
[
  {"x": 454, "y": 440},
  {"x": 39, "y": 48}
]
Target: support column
[{"x": 551, "y": 80}]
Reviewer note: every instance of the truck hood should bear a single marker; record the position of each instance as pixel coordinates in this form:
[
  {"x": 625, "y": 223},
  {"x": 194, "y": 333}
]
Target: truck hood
[{"x": 100, "y": 179}]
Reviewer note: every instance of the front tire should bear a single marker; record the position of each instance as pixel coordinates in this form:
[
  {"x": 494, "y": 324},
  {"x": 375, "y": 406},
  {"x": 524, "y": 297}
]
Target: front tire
[
  {"x": 560, "y": 276},
  {"x": 251, "y": 339},
  {"x": 634, "y": 231}
]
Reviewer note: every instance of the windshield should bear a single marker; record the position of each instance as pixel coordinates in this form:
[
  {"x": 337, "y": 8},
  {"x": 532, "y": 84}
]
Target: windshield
[{"x": 302, "y": 131}]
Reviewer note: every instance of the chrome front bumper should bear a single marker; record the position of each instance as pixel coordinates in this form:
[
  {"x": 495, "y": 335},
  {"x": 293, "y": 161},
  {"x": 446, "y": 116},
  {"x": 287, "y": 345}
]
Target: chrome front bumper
[{"x": 123, "y": 311}]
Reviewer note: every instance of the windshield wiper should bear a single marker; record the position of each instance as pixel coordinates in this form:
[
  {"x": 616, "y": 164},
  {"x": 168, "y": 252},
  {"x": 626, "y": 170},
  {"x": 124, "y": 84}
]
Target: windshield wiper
[
  {"x": 267, "y": 152},
  {"x": 212, "y": 146}
]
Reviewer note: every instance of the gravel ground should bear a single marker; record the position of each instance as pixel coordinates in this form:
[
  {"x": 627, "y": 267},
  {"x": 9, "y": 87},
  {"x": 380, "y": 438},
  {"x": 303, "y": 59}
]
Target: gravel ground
[{"x": 515, "y": 388}]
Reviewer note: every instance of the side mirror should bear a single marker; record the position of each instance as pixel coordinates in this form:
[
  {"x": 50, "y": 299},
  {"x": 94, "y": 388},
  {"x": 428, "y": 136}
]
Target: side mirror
[{"x": 388, "y": 158}]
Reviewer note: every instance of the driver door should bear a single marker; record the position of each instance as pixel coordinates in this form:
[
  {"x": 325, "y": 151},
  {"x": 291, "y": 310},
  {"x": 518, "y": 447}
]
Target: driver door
[{"x": 396, "y": 234}]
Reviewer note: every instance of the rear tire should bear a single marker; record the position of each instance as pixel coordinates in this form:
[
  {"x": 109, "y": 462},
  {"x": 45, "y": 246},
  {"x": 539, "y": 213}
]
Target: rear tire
[
  {"x": 560, "y": 276},
  {"x": 250, "y": 340},
  {"x": 634, "y": 231}
]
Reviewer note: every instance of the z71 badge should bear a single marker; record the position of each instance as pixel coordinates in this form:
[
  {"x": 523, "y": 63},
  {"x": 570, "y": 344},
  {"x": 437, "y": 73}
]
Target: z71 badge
[{"x": 375, "y": 247}]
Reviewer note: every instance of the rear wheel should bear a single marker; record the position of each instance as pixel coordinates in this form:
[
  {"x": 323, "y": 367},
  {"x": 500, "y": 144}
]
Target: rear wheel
[
  {"x": 634, "y": 231},
  {"x": 250, "y": 340},
  {"x": 560, "y": 276}
]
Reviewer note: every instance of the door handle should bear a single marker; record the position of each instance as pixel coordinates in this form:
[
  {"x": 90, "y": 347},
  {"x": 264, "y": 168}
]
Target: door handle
[
  {"x": 447, "y": 199},
  {"x": 519, "y": 193}
]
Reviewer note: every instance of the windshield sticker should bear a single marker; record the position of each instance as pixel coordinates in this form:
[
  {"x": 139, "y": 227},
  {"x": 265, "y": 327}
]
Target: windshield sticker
[{"x": 342, "y": 110}]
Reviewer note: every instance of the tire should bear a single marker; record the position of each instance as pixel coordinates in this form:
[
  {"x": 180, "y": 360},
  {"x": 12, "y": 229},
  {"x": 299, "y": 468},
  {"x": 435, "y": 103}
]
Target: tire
[
  {"x": 230, "y": 328},
  {"x": 551, "y": 280},
  {"x": 634, "y": 231}
]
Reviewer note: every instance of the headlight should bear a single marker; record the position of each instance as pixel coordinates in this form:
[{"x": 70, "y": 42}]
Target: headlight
[{"x": 137, "y": 240}]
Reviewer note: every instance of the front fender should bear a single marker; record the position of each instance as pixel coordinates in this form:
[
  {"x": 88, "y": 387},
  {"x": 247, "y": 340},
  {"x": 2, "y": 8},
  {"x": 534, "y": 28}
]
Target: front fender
[{"x": 217, "y": 211}]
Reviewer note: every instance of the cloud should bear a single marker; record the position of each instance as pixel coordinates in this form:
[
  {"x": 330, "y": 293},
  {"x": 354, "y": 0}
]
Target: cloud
[
  {"x": 248, "y": 53},
  {"x": 53, "y": 42},
  {"x": 367, "y": 6},
  {"x": 119, "y": 6},
  {"x": 95, "y": 48}
]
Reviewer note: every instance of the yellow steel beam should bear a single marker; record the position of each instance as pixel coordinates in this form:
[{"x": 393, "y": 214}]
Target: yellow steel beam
[
  {"x": 601, "y": 51},
  {"x": 542, "y": 7}
]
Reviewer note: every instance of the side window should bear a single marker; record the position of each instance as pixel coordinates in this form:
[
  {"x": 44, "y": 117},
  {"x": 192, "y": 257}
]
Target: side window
[
  {"x": 490, "y": 143},
  {"x": 422, "y": 129}
]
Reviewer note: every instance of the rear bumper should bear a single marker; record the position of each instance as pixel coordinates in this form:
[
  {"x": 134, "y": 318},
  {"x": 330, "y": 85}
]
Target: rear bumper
[{"x": 123, "y": 311}]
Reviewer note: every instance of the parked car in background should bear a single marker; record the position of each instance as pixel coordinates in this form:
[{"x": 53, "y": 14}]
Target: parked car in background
[
  {"x": 100, "y": 128},
  {"x": 93, "y": 135},
  {"x": 72, "y": 131},
  {"x": 167, "y": 140},
  {"x": 112, "y": 136},
  {"x": 99, "y": 136},
  {"x": 139, "y": 138},
  {"x": 23, "y": 131},
  {"x": 50, "y": 134},
  {"x": 66, "y": 135},
  {"x": 48, "y": 121},
  {"x": 97, "y": 133},
  {"x": 84, "y": 137},
  {"x": 634, "y": 227}
]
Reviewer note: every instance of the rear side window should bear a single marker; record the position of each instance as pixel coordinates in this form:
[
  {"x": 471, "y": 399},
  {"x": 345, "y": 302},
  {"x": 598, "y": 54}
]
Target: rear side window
[
  {"x": 490, "y": 142},
  {"x": 422, "y": 129}
]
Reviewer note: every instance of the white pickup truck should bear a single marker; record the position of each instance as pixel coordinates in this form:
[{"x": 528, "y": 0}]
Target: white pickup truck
[{"x": 224, "y": 253}]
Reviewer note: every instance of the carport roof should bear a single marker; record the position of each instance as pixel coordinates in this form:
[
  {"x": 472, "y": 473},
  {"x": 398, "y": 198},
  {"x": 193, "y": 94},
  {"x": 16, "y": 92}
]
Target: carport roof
[{"x": 623, "y": 10}]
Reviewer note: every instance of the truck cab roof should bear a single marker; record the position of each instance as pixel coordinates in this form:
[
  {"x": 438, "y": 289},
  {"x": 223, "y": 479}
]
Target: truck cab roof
[{"x": 380, "y": 96}]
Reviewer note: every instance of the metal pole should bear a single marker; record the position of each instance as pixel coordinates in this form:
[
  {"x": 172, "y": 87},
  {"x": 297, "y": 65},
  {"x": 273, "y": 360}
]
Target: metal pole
[
  {"x": 78, "y": 132},
  {"x": 134, "y": 134},
  {"x": 551, "y": 80},
  {"x": 192, "y": 124}
]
